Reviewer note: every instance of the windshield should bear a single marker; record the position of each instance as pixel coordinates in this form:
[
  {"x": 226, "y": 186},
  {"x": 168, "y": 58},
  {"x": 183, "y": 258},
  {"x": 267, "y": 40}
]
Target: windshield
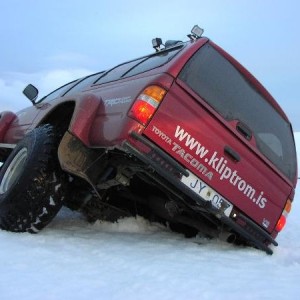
[{"x": 223, "y": 87}]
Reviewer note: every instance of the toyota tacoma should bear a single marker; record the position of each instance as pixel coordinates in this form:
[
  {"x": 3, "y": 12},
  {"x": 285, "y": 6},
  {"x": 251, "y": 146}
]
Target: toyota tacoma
[{"x": 185, "y": 135}]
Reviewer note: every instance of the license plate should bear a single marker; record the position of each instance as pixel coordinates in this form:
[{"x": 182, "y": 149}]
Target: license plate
[{"x": 207, "y": 193}]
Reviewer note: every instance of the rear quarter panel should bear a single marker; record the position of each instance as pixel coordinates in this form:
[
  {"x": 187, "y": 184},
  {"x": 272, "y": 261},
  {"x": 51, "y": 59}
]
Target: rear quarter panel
[{"x": 111, "y": 124}]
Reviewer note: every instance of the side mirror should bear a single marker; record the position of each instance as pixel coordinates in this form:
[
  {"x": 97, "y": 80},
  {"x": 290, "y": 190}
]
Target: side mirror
[{"x": 31, "y": 92}]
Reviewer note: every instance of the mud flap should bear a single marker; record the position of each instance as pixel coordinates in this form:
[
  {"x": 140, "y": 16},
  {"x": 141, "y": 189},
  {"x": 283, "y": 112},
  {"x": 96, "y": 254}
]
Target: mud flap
[{"x": 79, "y": 160}]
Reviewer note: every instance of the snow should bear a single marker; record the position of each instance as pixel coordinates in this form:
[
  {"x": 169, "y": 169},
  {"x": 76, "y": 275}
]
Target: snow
[{"x": 134, "y": 259}]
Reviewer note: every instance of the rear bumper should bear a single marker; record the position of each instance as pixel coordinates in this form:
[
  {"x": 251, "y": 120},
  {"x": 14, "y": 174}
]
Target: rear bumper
[{"x": 169, "y": 169}]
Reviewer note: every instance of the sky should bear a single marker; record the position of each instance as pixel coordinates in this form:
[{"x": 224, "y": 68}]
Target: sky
[{"x": 51, "y": 42}]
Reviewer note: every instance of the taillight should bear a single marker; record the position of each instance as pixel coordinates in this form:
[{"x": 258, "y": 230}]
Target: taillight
[
  {"x": 282, "y": 220},
  {"x": 146, "y": 104}
]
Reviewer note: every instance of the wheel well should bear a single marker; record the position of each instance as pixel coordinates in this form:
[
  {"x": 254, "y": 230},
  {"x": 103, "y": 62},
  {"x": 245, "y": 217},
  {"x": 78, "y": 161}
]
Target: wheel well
[
  {"x": 61, "y": 116},
  {"x": 4, "y": 153}
]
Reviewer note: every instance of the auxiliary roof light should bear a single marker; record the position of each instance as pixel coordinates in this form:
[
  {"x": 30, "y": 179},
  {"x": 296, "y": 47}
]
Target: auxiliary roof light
[
  {"x": 156, "y": 43},
  {"x": 196, "y": 32}
]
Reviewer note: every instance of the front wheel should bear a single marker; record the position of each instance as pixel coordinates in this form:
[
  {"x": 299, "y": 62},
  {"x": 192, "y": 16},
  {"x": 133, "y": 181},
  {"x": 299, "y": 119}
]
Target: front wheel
[{"x": 31, "y": 183}]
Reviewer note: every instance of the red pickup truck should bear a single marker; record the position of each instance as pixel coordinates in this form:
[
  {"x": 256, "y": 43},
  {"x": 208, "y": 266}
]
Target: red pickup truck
[{"x": 185, "y": 135}]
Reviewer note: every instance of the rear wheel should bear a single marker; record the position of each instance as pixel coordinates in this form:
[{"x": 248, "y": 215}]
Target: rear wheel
[{"x": 31, "y": 183}]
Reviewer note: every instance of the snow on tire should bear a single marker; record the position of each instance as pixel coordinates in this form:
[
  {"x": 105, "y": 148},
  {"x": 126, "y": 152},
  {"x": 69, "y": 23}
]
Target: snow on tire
[{"x": 31, "y": 183}]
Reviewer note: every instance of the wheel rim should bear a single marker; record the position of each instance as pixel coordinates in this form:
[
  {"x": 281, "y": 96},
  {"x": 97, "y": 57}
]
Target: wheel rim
[{"x": 13, "y": 171}]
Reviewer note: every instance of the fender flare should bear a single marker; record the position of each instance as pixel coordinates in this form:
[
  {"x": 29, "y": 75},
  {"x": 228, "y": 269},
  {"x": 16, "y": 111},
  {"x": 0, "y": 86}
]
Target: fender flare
[
  {"x": 6, "y": 118},
  {"x": 84, "y": 115}
]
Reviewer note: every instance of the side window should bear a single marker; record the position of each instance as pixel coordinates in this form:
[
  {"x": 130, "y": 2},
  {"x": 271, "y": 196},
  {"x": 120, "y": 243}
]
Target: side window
[
  {"x": 152, "y": 62},
  {"x": 118, "y": 71},
  {"x": 138, "y": 66},
  {"x": 58, "y": 92},
  {"x": 83, "y": 83}
]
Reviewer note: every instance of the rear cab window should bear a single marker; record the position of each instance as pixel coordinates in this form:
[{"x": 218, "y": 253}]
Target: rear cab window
[{"x": 224, "y": 88}]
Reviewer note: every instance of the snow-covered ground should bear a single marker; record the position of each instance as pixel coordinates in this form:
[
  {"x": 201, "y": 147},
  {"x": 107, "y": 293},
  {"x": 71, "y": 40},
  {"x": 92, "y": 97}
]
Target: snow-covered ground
[{"x": 134, "y": 259}]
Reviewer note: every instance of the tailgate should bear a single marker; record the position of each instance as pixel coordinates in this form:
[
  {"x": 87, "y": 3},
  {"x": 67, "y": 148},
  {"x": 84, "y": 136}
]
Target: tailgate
[{"x": 213, "y": 152}]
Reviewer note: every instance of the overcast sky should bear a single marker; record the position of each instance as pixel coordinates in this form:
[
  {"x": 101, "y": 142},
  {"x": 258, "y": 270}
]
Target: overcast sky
[{"x": 50, "y": 42}]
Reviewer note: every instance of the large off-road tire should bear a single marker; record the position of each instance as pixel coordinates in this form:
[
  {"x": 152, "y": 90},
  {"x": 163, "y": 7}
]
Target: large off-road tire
[{"x": 31, "y": 183}]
